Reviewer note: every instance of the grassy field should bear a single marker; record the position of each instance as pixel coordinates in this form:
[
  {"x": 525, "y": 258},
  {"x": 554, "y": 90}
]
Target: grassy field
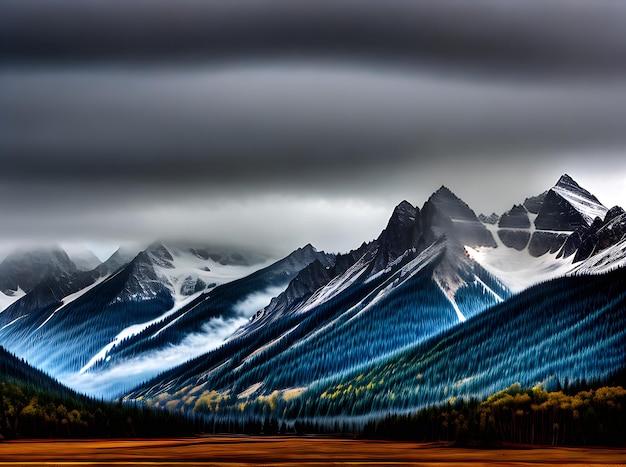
[{"x": 288, "y": 451}]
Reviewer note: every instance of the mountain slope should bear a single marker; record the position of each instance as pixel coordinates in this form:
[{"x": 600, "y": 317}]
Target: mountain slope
[
  {"x": 34, "y": 405},
  {"x": 22, "y": 270},
  {"x": 13, "y": 369},
  {"x": 169, "y": 304},
  {"x": 216, "y": 319},
  {"x": 413, "y": 282},
  {"x": 568, "y": 330},
  {"x": 421, "y": 280}
]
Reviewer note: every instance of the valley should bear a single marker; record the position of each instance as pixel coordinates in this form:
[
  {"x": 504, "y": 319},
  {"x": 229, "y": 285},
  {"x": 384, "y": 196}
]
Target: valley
[{"x": 292, "y": 451}]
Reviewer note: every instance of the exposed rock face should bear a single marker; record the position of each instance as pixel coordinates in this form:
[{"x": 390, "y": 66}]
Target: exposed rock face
[
  {"x": 142, "y": 280},
  {"x": 492, "y": 218},
  {"x": 454, "y": 219},
  {"x": 557, "y": 214},
  {"x": 400, "y": 235},
  {"x": 565, "y": 214},
  {"x": 546, "y": 242},
  {"x": 533, "y": 203},
  {"x": 192, "y": 285},
  {"x": 517, "y": 239},
  {"x": 321, "y": 268},
  {"x": 517, "y": 217},
  {"x": 26, "y": 269},
  {"x": 599, "y": 236},
  {"x": 567, "y": 206},
  {"x": 514, "y": 228}
]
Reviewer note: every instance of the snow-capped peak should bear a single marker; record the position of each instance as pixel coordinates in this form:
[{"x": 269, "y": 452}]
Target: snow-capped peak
[
  {"x": 580, "y": 199},
  {"x": 189, "y": 269}
]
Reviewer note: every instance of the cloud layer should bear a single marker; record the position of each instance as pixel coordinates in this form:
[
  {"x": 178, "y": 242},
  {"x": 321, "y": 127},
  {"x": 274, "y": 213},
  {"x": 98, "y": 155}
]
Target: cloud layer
[
  {"x": 298, "y": 121},
  {"x": 552, "y": 35}
]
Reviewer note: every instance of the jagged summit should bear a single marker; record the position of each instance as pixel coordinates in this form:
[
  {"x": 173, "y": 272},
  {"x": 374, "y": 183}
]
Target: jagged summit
[
  {"x": 449, "y": 215},
  {"x": 308, "y": 248},
  {"x": 450, "y": 203},
  {"x": 567, "y": 182},
  {"x": 444, "y": 192},
  {"x": 404, "y": 206},
  {"x": 575, "y": 198},
  {"x": 401, "y": 234},
  {"x": 403, "y": 213}
]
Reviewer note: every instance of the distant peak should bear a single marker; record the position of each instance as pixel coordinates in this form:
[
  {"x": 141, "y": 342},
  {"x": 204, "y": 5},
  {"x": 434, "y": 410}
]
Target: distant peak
[
  {"x": 404, "y": 206},
  {"x": 444, "y": 193},
  {"x": 309, "y": 247},
  {"x": 156, "y": 245},
  {"x": 567, "y": 181},
  {"x": 492, "y": 218},
  {"x": 568, "y": 184}
]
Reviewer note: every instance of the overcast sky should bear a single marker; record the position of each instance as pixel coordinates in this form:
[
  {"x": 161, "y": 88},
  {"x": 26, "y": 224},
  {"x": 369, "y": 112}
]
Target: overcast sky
[{"x": 276, "y": 123}]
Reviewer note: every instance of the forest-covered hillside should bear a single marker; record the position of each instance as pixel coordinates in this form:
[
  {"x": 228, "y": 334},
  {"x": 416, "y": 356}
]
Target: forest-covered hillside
[
  {"x": 569, "y": 332},
  {"x": 33, "y": 405}
]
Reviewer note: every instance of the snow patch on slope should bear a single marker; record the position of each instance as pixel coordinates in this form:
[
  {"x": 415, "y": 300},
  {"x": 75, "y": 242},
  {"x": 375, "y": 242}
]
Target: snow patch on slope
[
  {"x": 486, "y": 288},
  {"x": 13, "y": 322},
  {"x": 70, "y": 298},
  {"x": 7, "y": 300},
  {"x": 519, "y": 270},
  {"x": 335, "y": 286},
  {"x": 133, "y": 330},
  {"x": 127, "y": 374},
  {"x": 585, "y": 206},
  {"x": 461, "y": 317},
  {"x": 185, "y": 266},
  {"x": 604, "y": 261}
]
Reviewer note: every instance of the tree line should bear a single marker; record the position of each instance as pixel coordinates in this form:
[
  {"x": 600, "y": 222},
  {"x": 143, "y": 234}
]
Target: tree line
[
  {"x": 516, "y": 415},
  {"x": 30, "y": 412}
]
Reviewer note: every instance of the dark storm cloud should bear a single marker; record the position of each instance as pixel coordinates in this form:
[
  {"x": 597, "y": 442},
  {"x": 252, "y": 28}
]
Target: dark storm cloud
[
  {"x": 297, "y": 121},
  {"x": 551, "y": 35},
  {"x": 286, "y": 125}
]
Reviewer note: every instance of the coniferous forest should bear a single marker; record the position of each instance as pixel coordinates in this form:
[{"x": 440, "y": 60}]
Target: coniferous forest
[
  {"x": 33, "y": 405},
  {"x": 558, "y": 347},
  {"x": 515, "y": 415}
]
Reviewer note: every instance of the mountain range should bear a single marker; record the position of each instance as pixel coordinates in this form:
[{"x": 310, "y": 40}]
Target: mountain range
[{"x": 442, "y": 304}]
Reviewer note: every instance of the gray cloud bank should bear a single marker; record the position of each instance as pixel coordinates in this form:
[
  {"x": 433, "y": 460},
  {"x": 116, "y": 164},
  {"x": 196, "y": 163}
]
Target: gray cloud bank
[
  {"x": 291, "y": 127},
  {"x": 552, "y": 35},
  {"x": 289, "y": 122}
]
